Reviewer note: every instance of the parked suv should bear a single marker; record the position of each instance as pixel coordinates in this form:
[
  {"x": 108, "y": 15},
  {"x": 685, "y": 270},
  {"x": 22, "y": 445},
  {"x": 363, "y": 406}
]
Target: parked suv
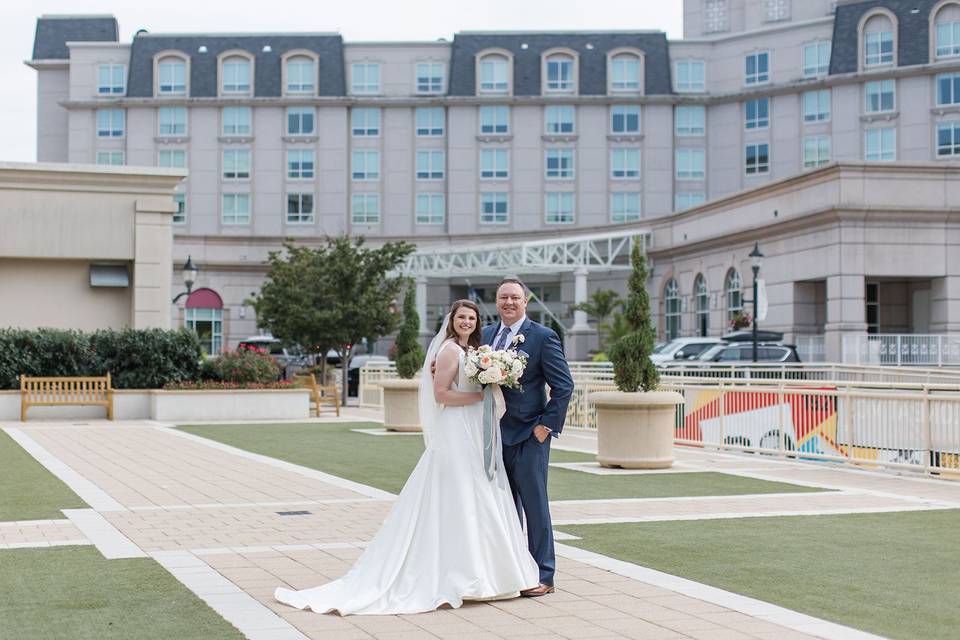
[
  {"x": 289, "y": 359},
  {"x": 743, "y": 352},
  {"x": 682, "y": 349}
]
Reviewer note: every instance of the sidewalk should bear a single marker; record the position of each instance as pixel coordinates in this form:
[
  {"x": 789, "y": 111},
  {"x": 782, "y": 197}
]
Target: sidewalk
[{"x": 220, "y": 520}]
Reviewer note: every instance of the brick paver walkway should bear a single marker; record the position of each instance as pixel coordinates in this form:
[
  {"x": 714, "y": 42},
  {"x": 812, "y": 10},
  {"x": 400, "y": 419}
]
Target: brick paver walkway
[{"x": 212, "y": 516}]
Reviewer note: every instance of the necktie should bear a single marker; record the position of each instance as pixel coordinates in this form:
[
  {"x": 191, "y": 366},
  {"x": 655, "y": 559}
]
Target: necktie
[{"x": 502, "y": 342}]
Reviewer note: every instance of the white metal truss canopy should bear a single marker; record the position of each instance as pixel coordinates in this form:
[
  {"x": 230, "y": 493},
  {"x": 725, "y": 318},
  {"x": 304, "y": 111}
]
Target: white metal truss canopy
[{"x": 599, "y": 252}]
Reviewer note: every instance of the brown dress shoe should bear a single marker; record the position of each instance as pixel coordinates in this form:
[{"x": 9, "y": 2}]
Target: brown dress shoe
[{"x": 536, "y": 592}]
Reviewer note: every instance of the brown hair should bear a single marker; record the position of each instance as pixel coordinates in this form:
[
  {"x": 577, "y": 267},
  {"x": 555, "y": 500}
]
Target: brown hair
[
  {"x": 512, "y": 281},
  {"x": 475, "y": 337}
]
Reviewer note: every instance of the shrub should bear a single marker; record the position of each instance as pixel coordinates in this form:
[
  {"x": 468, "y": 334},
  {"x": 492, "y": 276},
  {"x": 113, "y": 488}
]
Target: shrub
[
  {"x": 409, "y": 353},
  {"x": 632, "y": 367},
  {"x": 245, "y": 366},
  {"x": 216, "y": 385}
]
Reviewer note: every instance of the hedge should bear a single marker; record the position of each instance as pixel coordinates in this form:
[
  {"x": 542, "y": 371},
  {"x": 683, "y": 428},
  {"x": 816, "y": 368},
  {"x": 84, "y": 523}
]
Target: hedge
[{"x": 135, "y": 358}]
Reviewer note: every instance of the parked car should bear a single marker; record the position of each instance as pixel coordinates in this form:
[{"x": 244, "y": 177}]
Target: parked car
[
  {"x": 289, "y": 359},
  {"x": 682, "y": 349},
  {"x": 743, "y": 352}
]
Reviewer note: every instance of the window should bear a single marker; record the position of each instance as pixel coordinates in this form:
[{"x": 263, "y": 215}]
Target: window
[
  {"x": 715, "y": 16},
  {"x": 430, "y": 165},
  {"x": 758, "y": 68},
  {"x": 559, "y": 73},
  {"x": 494, "y": 208},
  {"x": 686, "y": 199},
  {"x": 208, "y": 324},
  {"x": 816, "y": 106},
  {"x": 559, "y": 208},
  {"x": 624, "y": 207},
  {"x": 180, "y": 215},
  {"x": 236, "y": 121},
  {"x": 173, "y": 121},
  {"x": 948, "y": 140},
  {"x": 300, "y": 75},
  {"x": 671, "y": 310},
  {"x": 691, "y": 120},
  {"x": 625, "y": 118},
  {"x": 365, "y": 77},
  {"x": 365, "y": 121},
  {"x": 733, "y": 294},
  {"x": 236, "y": 75},
  {"x": 365, "y": 208},
  {"x": 494, "y": 164},
  {"x": 816, "y": 151},
  {"x": 171, "y": 77},
  {"x": 300, "y": 121},
  {"x": 877, "y": 48},
  {"x": 873, "y": 307},
  {"x": 880, "y": 96},
  {"x": 300, "y": 164},
  {"x": 429, "y": 77},
  {"x": 110, "y": 123},
  {"x": 365, "y": 165},
  {"x": 429, "y": 121},
  {"x": 236, "y": 208},
  {"x": 300, "y": 208},
  {"x": 494, "y": 119},
  {"x": 559, "y": 119},
  {"x": 236, "y": 164},
  {"x": 690, "y": 76},
  {"x": 816, "y": 59},
  {"x": 757, "y": 113},
  {"x": 690, "y": 164},
  {"x": 493, "y": 75},
  {"x": 948, "y": 89},
  {"x": 757, "y": 159},
  {"x": 559, "y": 164},
  {"x": 110, "y": 157},
  {"x": 625, "y": 72},
  {"x": 430, "y": 208},
  {"x": 172, "y": 158},
  {"x": 625, "y": 163},
  {"x": 701, "y": 306},
  {"x": 111, "y": 79},
  {"x": 880, "y": 144},
  {"x": 948, "y": 38},
  {"x": 777, "y": 10}
]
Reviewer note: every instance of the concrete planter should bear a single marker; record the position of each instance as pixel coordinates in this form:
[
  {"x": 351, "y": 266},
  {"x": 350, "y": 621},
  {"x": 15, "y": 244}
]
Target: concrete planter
[
  {"x": 401, "y": 405},
  {"x": 234, "y": 404},
  {"x": 635, "y": 430}
]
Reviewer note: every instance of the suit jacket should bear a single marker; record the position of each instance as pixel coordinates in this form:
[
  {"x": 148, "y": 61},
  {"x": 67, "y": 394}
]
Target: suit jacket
[{"x": 546, "y": 365}]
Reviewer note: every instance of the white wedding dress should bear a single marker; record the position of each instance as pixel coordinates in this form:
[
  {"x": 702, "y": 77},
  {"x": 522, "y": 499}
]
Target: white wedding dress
[{"x": 452, "y": 534}]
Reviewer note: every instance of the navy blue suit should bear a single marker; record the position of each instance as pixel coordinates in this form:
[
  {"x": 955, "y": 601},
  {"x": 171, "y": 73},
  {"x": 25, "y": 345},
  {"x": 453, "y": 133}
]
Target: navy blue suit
[{"x": 524, "y": 458}]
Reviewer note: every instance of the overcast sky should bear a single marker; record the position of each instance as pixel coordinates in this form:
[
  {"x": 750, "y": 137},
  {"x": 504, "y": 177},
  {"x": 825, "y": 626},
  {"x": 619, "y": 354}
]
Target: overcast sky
[{"x": 366, "y": 20}]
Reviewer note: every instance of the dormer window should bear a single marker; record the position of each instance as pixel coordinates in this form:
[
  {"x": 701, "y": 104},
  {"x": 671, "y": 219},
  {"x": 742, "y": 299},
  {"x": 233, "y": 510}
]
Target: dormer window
[
  {"x": 878, "y": 42},
  {"x": 301, "y": 74},
  {"x": 171, "y": 77},
  {"x": 560, "y": 73},
  {"x": 235, "y": 75},
  {"x": 947, "y": 31},
  {"x": 494, "y": 74},
  {"x": 625, "y": 72}
]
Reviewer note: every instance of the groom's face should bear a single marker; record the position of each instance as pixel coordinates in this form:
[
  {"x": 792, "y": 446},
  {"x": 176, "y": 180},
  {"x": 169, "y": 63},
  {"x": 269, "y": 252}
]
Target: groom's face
[{"x": 511, "y": 302}]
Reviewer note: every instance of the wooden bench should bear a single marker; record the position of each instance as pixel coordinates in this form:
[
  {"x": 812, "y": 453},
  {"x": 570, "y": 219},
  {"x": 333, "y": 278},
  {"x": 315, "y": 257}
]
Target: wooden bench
[
  {"x": 58, "y": 392},
  {"x": 320, "y": 394}
]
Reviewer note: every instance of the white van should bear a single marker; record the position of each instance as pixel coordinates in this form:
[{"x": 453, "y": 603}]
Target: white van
[{"x": 682, "y": 349}]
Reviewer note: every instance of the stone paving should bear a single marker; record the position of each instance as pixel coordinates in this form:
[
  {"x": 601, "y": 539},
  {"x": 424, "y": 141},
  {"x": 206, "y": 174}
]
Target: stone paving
[{"x": 210, "y": 514}]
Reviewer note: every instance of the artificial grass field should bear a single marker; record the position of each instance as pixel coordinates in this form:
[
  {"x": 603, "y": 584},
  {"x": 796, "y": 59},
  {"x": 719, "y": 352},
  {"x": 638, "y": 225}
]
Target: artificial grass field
[
  {"x": 386, "y": 461},
  {"x": 893, "y": 574},
  {"x": 74, "y": 593},
  {"x": 27, "y": 490}
]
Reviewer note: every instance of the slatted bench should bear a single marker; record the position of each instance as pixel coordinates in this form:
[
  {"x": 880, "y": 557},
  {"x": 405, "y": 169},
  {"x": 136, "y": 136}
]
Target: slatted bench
[
  {"x": 320, "y": 394},
  {"x": 59, "y": 392}
]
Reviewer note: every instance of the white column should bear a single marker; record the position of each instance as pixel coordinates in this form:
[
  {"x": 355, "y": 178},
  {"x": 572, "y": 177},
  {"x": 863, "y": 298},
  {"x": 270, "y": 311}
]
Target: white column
[
  {"x": 421, "y": 283},
  {"x": 579, "y": 297}
]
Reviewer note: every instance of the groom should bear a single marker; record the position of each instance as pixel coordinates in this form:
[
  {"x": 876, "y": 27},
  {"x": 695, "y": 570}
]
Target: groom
[{"x": 531, "y": 420}]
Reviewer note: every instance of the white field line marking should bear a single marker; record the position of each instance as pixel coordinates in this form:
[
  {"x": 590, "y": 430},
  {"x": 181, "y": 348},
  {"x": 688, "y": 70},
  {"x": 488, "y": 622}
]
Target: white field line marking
[
  {"x": 46, "y": 544},
  {"x": 248, "y": 505},
  {"x": 384, "y": 432},
  {"x": 738, "y": 496},
  {"x": 335, "y": 481},
  {"x": 108, "y": 539},
  {"x": 747, "y": 606},
  {"x": 90, "y": 493}
]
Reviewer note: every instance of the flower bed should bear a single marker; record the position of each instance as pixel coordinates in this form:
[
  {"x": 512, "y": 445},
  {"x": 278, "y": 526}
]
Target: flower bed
[{"x": 215, "y": 385}]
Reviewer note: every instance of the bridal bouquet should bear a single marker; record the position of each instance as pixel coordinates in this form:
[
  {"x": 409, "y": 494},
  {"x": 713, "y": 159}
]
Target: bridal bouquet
[{"x": 503, "y": 368}]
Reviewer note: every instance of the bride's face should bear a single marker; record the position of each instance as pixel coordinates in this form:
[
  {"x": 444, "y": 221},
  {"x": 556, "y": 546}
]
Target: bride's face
[{"x": 464, "y": 322}]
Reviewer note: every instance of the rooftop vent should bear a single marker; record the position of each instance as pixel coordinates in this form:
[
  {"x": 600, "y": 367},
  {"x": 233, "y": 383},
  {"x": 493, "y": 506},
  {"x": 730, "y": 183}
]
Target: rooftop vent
[
  {"x": 266, "y": 48},
  {"x": 202, "y": 48}
]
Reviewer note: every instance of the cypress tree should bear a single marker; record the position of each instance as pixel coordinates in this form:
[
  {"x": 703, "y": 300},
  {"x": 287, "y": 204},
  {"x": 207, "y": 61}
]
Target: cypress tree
[
  {"x": 409, "y": 353},
  {"x": 632, "y": 367}
]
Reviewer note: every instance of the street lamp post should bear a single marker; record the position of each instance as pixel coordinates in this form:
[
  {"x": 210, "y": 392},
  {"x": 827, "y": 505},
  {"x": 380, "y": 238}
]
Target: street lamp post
[
  {"x": 189, "y": 274},
  {"x": 756, "y": 259}
]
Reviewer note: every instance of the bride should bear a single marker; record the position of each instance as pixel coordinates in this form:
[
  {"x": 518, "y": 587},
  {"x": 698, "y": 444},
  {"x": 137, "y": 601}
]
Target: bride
[{"x": 453, "y": 533}]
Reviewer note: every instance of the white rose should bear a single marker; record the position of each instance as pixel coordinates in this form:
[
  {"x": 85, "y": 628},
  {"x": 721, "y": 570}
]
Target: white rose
[
  {"x": 517, "y": 367},
  {"x": 470, "y": 369}
]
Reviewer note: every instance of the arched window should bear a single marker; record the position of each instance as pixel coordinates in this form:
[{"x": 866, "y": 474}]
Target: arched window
[
  {"x": 301, "y": 75},
  {"x": 493, "y": 71},
  {"x": 626, "y": 72},
  {"x": 204, "y": 314},
  {"x": 171, "y": 75},
  {"x": 733, "y": 292},
  {"x": 702, "y": 298},
  {"x": 878, "y": 40},
  {"x": 559, "y": 73},
  {"x": 236, "y": 75},
  {"x": 946, "y": 30},
  {"x": 671, "y": 309}
]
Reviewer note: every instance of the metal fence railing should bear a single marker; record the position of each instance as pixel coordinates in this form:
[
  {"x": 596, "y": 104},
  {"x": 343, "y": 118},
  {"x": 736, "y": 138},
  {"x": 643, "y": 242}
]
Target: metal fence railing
[{"x": 902, "y": 350}]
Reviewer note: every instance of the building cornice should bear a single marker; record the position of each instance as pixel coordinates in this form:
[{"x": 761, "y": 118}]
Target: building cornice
[{"x": 87, "y": 177}]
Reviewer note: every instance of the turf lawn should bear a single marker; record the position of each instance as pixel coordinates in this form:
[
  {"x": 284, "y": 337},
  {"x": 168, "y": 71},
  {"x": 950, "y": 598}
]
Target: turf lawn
[
  {"x": 386, "y": 461},
  {"x": 27, "y": 490},
  {"x": 893, "y": 574},
  {"x": 74, "y": 593}
]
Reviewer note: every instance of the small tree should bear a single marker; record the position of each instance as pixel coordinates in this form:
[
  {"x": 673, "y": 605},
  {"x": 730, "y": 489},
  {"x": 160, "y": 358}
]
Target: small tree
[
  {"x": 632, "y": 367},
  {"x": 601, "y": 305},
  {"x": 409, "y": 353}
]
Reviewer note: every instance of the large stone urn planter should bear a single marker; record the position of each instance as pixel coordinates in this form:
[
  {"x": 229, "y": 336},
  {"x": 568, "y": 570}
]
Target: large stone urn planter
[
  {"x": 635, "y": 430},
  {"x": 401, "y": 405}
]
